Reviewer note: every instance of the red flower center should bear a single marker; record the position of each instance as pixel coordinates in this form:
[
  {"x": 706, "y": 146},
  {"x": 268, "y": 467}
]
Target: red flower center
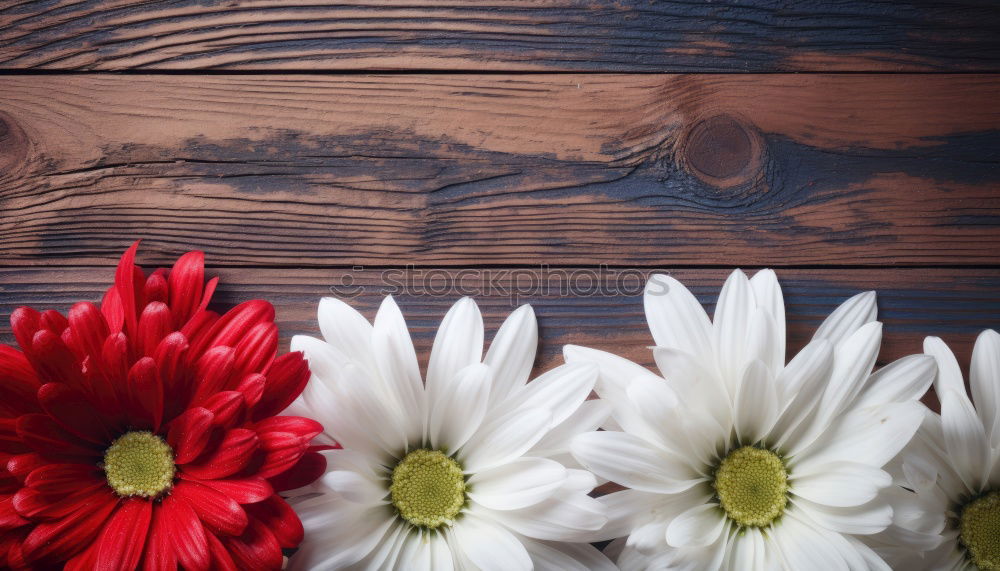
[{"x": 139, "y": 463}]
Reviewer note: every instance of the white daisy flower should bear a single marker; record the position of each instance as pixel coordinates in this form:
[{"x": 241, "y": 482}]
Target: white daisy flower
[
  {"x": 949, "y": 475},
  {"x": 470, "y": 471},
  {"x": 735, "y": 460}
]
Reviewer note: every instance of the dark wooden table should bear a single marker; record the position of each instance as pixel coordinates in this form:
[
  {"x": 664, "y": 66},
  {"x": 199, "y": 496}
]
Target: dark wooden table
[{"x": 310, "y": 146}]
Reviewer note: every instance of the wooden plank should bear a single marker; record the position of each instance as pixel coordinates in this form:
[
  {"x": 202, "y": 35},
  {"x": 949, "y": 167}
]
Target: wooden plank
[
  {"x": 588, "y": 306},
  {"x": 512, "y": 35},
  {"x": 690, "y": 170}
]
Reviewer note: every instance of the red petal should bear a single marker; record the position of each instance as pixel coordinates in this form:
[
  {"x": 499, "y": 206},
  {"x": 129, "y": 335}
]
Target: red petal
[
  {"x": 214, "y": 372},
  {"x": 155, "y": 323},
  {"x": 85, "y": 561},
  {"x": 10, "y": 440},
  {"x": 145, "y": 395},
  {"x": 61, "y": 479},
  {"x": 53, "y": 321},
  {"x": 186, "y": 281},
  {"x": 304, "y": 427},
  {"x": 234, "y": 325},
  {"x": 310, "y": 467},
  {"x": 221, "y": 560},
  {"x": 115, "y": 363},
  {"x": 24, "y": 323},
  {"x": 186, "y": 533},
  {"x": 126, "y": 286},
  {"x": 227, "y": 406},
  {"x": 286, "y": 379},
  {"x": 72, "y": 411},
  {"x": 33, "y": 504},
  {"x": 112, "y": 310},
  {"x": 256, "y": 550},
  {"x": 120, "y": 544},
  {"x": 229, "y": 457},
  {"x": 177, "y": 377},
  {"x": 256, "y": 351},
  {"x": 220, "y": 513},
  {"x": 89, "y": 329},
  {"x": 20, "y": 383},
  {"x": 199, "y": 325},
  {"x": 242, "y": 490},
  {"x": 252, "y": 387},
  {"x": 46, "y": 437},
  {"x": 53, "y": 360},
  {"x": 159, "y": 554},
  {"x": 9, "y": 518},
  {"x": 21, "y": 465},
  {"x": 209, "y": 292},
  {"x": 282, "y": 451},
  {"x": 189, "y": 434},
  {"x": 156, "y": 288},
  {"x": 60, "y": 540},
  {"x": 280, "y": 518}
]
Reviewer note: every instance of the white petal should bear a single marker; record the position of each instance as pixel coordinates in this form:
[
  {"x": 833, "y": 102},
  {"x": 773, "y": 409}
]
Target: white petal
[
  {"x": 853, "y": 360},
  {"x": 801, "y": 385},
  {"x": 984, "y": 379},
  {"x": 675, "y": 317},
  {"x": 512, "y": 352},
  {"x": 517, "y": 484},
  {"x": 625, "y": 509},
  {"x": 555, "y": 556},
  {"x": 697, "y": 527},
  {"x": 839, "y": 484},
  {"x": 355, "y": 487},
  {"x": 566, "y": 516},
  {"x": 616, "y": 372},
  {"x": 906, "y": 379},
  {"x": 949, "y": 374},
  {"x": 767, "y": 294},
  {"x": 866, "y": 519},
  {"x": 490, "y": 546},
  {"x": 632, "y": 462},
  {"x": 869, "y": 436},
  {"x": 332, "y": 545},
  {"x": 346, "y": 330},
  {"x": 457, "y": 414},
  {"x": 505, "y": 438},
  {"x": 415, "y": 554},
  {"x": 458, "y": 344},
  {"x": 848, "y": 318},
  {"x": 442, "y": 558},
  {"x": 683, "y": 370},
  {"x": 756, "y": 404},
  {"x": 732, "y": 317},
  {"x": 964, "y": 438},
  {"x": 760, "y": 341},
  {"x": 397, "y": 363},
  {"x": 561, "y": 390},
  {"x": 804, "y": 547},
  {"x": 654, "y": 401},
  {"x": 586, "y": 418},
  {"x": 361, "y": 402}
]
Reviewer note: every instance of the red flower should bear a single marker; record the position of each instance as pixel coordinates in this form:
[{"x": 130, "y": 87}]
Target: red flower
[{"x": 142, "y": 434}]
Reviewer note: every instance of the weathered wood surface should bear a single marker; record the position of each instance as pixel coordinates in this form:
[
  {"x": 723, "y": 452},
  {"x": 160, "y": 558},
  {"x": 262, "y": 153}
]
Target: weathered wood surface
[
  {"x": 603, "y": 312},
  {"x": 466, "y": 170},
  {"x": 616, "y": 35}
]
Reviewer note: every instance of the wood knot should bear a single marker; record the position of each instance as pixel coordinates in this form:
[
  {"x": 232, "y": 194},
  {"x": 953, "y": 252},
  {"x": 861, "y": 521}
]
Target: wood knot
[
  {"x": 722, "y": 151},
  {"x": 13, "y": 142}
]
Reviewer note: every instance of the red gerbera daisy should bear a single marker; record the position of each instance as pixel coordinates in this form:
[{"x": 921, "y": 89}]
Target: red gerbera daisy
[{"x": 142, "y": 434}]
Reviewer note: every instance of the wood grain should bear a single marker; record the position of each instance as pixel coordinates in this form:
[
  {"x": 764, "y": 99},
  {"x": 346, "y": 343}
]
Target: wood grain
[
  {"x": 511, "y": 35},
  {"x": 466, "y": 170},
  {"x": 587, "y": 306}
]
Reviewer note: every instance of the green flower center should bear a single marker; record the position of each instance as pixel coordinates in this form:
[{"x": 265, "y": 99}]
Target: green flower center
[
  {"x": 428, "y": 488},
  {"x": 139, "y": 464},
  {"x": 752, "y": 486},
  {"x": 979, "y": 530}
]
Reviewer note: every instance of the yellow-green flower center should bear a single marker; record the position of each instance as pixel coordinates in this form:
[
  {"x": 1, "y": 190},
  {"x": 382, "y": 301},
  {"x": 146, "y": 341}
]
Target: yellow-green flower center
[
  {"x": 979, "y": 530},
  {"x": 139, "y": 464},
  {"x": 752, "y": 486},
  {"x": 428, "y": 488}
]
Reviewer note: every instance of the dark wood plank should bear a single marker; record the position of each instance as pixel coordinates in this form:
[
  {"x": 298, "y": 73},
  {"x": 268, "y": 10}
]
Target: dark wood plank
[
  {"x": 604, "y": 309},
  {"x": 720, "y": 170},
  {"x": 609, "y": 35}
]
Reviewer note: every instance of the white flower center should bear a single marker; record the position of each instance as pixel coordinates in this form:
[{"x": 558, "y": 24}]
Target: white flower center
[
  {"x": 752, "y": 486},
  {"x": 979, "y": 530},
  {"x": 139, "y": 464},
  {"x": 428, "y": 488}
]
